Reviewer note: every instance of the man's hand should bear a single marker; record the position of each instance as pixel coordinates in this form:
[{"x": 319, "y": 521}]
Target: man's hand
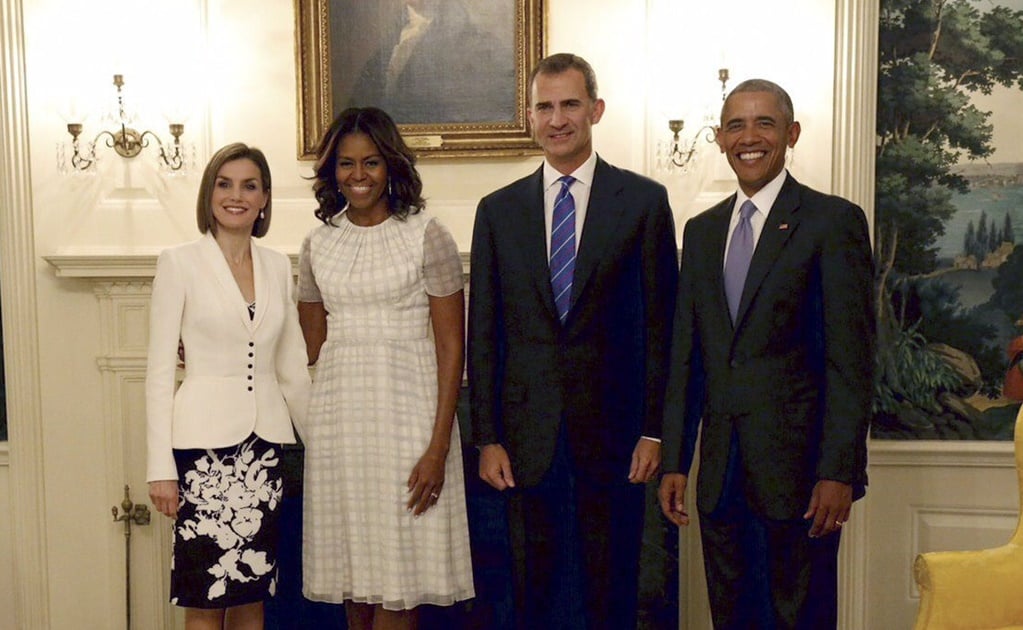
[
  {"x": 829, "y": 507},
  {"x": 495, "y": 467},
  {"x": 646, "y": 460},
  {"x": 672, "y": 494}
]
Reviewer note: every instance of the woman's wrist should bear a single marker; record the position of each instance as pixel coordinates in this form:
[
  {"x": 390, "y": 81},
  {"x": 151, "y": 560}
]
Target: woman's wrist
[{"x": 436, "y": 452}]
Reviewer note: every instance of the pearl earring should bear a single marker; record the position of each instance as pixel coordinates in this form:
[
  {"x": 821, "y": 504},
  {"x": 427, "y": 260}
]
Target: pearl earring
[{"x": 262, "y": 215}]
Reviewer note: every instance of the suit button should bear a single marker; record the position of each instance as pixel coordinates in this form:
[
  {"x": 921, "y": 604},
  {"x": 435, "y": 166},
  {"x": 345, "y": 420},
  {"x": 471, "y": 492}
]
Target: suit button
[{"x": 734, "y": 363}]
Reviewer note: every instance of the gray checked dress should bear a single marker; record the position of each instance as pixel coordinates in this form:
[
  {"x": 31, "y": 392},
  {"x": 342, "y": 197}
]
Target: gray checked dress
[{"x": 371, "y": 417}]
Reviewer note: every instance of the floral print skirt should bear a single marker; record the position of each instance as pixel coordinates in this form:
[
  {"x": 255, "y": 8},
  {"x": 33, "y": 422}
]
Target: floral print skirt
[{"x": 226, "y": 533}]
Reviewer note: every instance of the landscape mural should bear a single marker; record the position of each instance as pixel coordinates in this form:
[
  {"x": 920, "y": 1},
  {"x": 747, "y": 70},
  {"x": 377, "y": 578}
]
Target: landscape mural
[{"x": 949, "y": 217}]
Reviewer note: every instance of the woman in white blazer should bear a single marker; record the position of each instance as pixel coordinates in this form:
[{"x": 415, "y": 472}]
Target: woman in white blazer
[{"x": 214, "y": 443}]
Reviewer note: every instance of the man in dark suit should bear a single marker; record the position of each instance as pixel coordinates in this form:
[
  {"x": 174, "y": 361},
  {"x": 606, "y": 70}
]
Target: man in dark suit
[
  {"x": 773, "y": 349},
  {"x": 571, "y": 292}
]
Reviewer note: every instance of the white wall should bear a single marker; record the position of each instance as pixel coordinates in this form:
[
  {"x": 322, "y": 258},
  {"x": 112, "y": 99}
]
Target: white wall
[
  {"x": 232, "y": 69},
  {"x": 239, "y": 84},
  {"x": 690, "y": 41}
]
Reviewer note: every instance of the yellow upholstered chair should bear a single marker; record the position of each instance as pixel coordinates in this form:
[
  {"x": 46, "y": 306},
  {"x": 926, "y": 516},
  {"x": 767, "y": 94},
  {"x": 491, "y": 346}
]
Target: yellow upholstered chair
[{"x": 975, "y": 590}]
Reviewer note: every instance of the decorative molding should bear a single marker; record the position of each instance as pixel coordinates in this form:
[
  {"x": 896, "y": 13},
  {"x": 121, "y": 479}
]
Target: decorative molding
[
  {"x": 20, "y": 313},
  {"x": 928, "y": 521},
  {"x": 852, "y": 177},
  {"x": 124, "y": 317},
  {"x": 103, "y": 265},
  {"x": 124, "y": 324},
  {"x": 112, "y": 266},
  {"x": 855, "y": 102},
  {"x": 126, "y": 288},
  {"x": 122, "y": 364},
  {"x": 941, "y": 454}
]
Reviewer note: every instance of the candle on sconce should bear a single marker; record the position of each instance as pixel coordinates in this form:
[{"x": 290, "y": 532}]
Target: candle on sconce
[{"x": 123, "y": 136}]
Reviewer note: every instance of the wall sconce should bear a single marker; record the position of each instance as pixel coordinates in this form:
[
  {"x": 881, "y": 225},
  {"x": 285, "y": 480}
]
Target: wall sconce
[
  {"x": 125, "y": 140},
  {"x": 680, "y": 152}
]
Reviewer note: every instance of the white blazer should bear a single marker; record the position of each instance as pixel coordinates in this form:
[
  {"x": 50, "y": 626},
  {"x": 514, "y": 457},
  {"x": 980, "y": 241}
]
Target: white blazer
[{"x": 241, "y": 375}]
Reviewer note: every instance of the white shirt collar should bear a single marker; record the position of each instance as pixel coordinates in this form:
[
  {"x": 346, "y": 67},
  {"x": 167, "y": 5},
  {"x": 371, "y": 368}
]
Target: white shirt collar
[
  {"x": 764, "y": 198},
  {"x": 583, "y": 174}
]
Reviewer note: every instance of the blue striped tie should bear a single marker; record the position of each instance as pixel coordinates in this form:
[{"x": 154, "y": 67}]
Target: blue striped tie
[{"x": 563, "y": 247}]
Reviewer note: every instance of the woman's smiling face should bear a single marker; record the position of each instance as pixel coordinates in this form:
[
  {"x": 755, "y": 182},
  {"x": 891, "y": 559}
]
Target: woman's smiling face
[
  {"x": 238, "y": 195},
  {"x": 361, "y": 173}
]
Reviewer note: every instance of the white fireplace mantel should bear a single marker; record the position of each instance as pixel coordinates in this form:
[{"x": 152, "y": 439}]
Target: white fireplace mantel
[{"x": 127, "y": 264}]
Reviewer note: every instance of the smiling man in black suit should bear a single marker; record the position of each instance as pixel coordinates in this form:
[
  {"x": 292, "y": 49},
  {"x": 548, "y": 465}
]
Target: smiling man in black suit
[
  {"x": 572, "y": 287},
  {"x": 773, "y": 351}
]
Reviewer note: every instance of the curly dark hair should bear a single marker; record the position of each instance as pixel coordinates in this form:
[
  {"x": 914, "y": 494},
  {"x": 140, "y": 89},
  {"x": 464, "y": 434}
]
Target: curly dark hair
[{"x": 404, "y": 186}]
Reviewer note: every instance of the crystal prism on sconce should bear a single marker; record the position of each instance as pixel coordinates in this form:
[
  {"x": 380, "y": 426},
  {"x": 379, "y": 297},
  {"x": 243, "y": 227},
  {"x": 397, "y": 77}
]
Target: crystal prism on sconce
[
  {"x": 680, "y": 152},
  {"x": 124, "y": 140}
]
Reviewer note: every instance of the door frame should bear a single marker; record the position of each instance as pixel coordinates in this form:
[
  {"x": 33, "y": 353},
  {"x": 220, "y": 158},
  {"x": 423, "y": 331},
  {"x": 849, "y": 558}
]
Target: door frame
[{"x": 21, "y": 352}]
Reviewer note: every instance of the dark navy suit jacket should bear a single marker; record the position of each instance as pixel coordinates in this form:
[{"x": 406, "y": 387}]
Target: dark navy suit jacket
[
  {"x": 793, "y": 379},
  {"x": 603, "y": 371}
]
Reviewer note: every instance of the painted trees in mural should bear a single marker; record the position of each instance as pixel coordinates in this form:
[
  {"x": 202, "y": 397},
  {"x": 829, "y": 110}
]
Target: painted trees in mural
[{"x": 950, "y": 278}]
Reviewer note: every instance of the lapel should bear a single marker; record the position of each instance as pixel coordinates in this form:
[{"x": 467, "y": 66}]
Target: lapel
[
  {"x": 532, "y": 238},
  {"x": 603, "y": 213},
  {"x": 781, "y": 224},
  {"x": 260, "y": 277},
  {"x": 230, "y": 295},
  {"x": 717, "y": 236}
]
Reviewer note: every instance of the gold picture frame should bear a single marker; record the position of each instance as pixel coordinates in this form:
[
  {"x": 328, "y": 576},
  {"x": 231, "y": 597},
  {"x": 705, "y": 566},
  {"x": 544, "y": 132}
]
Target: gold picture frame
[{"x": 447, "y": 108}]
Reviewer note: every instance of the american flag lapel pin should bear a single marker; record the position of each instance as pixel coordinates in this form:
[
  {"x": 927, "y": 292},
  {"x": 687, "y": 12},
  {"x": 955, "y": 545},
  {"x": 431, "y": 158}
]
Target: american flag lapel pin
[{"x": 783, "y": 226}]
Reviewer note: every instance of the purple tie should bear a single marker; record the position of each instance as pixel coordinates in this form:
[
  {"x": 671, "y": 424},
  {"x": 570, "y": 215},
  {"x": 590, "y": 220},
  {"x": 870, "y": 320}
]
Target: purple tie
[
  {"x": 740, "y": 252},
  {"x": 562, "y": 263}
]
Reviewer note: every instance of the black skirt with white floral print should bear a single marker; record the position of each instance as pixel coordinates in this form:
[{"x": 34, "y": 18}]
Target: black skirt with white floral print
[{"x": 226, "y": 533}]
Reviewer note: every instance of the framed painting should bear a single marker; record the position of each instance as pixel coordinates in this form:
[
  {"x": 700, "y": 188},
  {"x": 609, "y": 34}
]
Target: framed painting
[{"x": 452, "y": 73}]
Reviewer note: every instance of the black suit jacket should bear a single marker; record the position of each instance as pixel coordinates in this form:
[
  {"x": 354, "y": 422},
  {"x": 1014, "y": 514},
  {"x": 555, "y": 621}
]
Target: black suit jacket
[
  {"x": 793, "y": 380},
  {"x": 604, "y": 370}
]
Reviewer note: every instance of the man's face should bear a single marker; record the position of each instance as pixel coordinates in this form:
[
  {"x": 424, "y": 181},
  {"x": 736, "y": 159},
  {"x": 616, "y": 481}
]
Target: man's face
[
  {"x": 754, "y": 136},
  {"x": 561, "y": 116}
]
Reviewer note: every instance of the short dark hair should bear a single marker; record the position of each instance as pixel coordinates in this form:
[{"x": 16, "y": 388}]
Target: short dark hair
[
  {"x": 404, "y": 186},
  {"x": 561, "y": 62},
  {"x": 763, "y": 85},
  {"x": 204, "y": 206}
]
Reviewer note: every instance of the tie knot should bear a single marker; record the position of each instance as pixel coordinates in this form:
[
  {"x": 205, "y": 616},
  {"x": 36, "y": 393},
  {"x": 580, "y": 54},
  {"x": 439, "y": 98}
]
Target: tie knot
[
  {"x": 747, "y": 209},
  {"x": 566, "y": 181}
]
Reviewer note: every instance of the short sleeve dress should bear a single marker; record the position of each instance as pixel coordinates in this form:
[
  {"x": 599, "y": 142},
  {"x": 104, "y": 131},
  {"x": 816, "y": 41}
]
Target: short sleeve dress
[{"x": 371, "y": 417}]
